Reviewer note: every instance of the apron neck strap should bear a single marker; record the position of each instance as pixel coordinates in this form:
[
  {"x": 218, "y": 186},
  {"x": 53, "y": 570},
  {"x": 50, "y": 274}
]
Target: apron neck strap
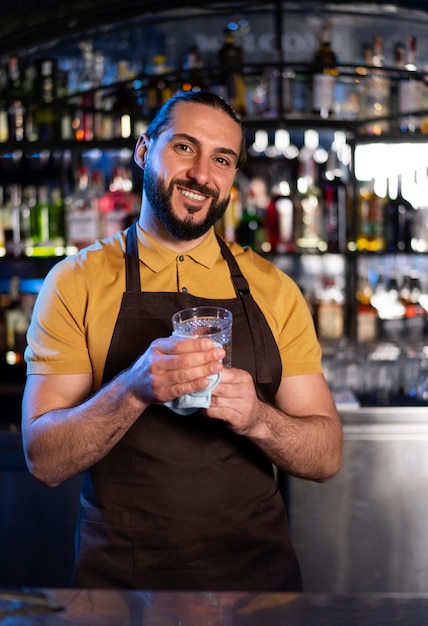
[{"x": 132, "y": 263}]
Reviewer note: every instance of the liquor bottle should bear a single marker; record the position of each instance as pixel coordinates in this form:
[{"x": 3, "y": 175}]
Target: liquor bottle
[
  {"x": 391, "y": 311},
  {"x": 14, "y": 245},
  {"x": 415, "y": 315},
  {"x": 399, "y": 220},
  {"x": 4, "y": 300},
  {"x": 227, "y": 225},
  {"x": 87, "y": 80},
  {"x": 330, "y": 310},
  {"x": 31, "y": 100},
  {"x": 4, "y": 130},
  {"x": 159, "y": 88},
  {"x": 378, "y": 92},
  {"x": 117, "y": 204},
  {"x": 280, "y": 89},
  {"x": 47, "y": 222},
  {"x": 335, "y": 204},
  {"x": 366, "y": 322},
  {"x": 103, "y": 100},
  {"x": 125, "y": 107},
  {"x": 28, "y": 202},
  {"x": 56, "y": 222},
  {"x": 370, "y": 236},
  {"x": 82, "y": 217},
  {"x": 42, "y": 212},
  {"x": 411, "y": 90},
  {"x": 17, "y": 322},
  {"x": 324, "y": 73},
  {"x": 192, "y": 66},
  {"x": 309, "y": 218},
  {"x": 230, "y": 58},
  {"x": 45, "y": 91},
  {"x": 280, "y": 220},
  {"x": 250, "y": 231},
  {"x": 15, "y": 98},
  {"x": 2, "y": 222}
]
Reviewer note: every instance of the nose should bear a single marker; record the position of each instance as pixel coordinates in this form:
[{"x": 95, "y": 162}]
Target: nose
[{"x": 200, "y": 169}]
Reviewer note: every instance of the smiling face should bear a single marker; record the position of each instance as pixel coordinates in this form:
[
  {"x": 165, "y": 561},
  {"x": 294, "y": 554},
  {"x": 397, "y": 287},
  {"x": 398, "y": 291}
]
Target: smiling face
[{"x": 188, "y": 172}]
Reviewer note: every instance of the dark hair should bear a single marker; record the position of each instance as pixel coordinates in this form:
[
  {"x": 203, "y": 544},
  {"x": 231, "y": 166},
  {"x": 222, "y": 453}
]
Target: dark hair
[{"x": 164, "y": 116}]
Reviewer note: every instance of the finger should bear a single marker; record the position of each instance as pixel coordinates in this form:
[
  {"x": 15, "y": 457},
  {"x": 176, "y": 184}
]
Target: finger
[{"x": 183, "y": 346}]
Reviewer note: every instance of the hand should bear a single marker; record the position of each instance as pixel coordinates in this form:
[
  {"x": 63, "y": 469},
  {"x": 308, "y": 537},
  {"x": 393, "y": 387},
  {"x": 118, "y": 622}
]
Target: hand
[
  {"x": 235, "y": 401},
  {"x": 172, "y": 367}
]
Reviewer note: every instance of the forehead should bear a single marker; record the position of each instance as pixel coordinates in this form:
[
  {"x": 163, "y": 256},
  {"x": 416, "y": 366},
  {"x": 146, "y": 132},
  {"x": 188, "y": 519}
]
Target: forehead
[{"x": 206, "y": 124}]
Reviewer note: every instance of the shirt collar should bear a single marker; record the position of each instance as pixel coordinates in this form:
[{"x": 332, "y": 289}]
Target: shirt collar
[{"x": 157, "y": 257}]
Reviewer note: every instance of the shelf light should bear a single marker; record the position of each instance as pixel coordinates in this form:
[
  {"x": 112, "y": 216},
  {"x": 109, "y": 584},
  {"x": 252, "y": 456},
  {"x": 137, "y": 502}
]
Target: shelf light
[{"x": 261, "y": 141}]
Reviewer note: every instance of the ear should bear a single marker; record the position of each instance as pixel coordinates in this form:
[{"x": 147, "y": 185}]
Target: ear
[{"x": 140, "y": 152}]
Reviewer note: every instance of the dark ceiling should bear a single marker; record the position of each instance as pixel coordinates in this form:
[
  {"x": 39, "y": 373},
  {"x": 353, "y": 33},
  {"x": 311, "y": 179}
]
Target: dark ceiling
[{"x": 28, "y": 25}]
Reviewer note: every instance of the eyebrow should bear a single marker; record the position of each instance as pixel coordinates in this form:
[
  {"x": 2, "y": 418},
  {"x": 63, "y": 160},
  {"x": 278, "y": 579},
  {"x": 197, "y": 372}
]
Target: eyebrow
[{"x": 197, "y": 143}]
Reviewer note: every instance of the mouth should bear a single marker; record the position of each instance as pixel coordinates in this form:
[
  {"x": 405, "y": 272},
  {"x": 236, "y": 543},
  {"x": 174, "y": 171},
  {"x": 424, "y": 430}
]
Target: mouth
[{"x": 192, "y": 195}]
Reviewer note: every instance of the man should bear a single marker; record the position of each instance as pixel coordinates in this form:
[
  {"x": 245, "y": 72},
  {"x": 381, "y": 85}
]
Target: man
[{"x": 171, "y": 501}]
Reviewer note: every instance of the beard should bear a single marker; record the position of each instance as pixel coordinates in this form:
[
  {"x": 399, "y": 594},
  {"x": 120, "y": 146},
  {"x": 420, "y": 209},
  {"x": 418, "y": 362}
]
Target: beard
[{"x": 159, "y": 195}]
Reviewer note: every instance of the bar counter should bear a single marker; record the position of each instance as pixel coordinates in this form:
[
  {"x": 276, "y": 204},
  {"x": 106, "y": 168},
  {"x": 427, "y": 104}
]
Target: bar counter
[{"x": 67, "y": 607}]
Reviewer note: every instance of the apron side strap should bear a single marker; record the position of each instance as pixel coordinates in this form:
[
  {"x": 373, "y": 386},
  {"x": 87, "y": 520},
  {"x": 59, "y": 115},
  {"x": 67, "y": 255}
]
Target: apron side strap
[
  {"x": 253, "y": 313},
  {"x": 238, "y": 278}
]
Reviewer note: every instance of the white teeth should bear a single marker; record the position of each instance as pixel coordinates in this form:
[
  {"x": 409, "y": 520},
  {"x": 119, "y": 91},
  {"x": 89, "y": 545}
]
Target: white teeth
[{"x": 192, "y": 195}]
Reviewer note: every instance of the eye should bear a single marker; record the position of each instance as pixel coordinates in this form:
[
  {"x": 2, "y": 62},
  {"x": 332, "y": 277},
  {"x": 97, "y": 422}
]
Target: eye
[
  {"x": 183, "y": 147},
  {"x": 223, "y": 162}
]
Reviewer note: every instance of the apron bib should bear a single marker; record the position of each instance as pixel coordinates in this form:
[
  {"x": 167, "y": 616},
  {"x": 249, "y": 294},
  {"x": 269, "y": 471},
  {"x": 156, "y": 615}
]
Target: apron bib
[{"x": 181, "y": 502}]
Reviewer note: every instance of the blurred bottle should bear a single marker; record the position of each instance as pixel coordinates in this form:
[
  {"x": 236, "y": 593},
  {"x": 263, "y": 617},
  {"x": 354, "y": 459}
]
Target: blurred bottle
[
  {"x": 125, "y": 107},
  {"x": 82, "y": 217},
  {"x": 4, "y": 301},
  {"x": 13, "y": 242},
  {"x": 415, "y": 320},
  {"x": 309, "y": 215},
  {"x": 87, "y": 80},
  {"x": 251, "y": 231},
  {"x": 330, "y": 310},
  {"x": 378, "y": 92},
  {"x": 47, "y": 223},
  {"x": 28, "y": 202},
  {"x": 4, "y": 130},
  {"x": 411, "y": 90},
  {"x": 227, "y": 225},
  {"x": 117, "y": 205},
  {"x": 2, "y": 222},
  {"x": 280, "y": 219},
  {"x": 159, "y": 88},
  {"x": 15, "y": 100},
  {"x": 230, "y": 58},
  {"x": 57, "y": 221},
  {"x": 324, "y": 73},
  {"x": 17, "y": 322},
  {"x": 31, "y": 100},
  {"x": 280, "y": 89},
  {"x": 366, "y": 322},
  {"x": 193, "y": 79},
  {"x": 370, "y": 236},
  {"x": 335, "y": 203},
  {"x": 45, "y": 91},
  {"x": 399, "y": 219}
]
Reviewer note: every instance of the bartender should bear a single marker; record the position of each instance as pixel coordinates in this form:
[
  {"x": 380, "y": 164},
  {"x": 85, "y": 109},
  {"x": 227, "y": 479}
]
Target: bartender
[{"x": 174, "y": 501}]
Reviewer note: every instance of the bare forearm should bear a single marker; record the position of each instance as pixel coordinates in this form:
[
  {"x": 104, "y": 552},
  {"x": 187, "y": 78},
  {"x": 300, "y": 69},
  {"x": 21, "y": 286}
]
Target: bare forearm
[
  {"x": 63, "y": 442},
  {"x": 308, "y": 447}
]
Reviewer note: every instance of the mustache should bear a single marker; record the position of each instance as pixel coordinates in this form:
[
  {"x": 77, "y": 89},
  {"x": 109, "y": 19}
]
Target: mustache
[{"x": 202, "y": 189}]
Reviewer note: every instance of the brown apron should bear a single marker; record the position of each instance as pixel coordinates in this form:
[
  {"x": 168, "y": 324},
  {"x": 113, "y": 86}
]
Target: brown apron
[{"x": 183, "y": 502}]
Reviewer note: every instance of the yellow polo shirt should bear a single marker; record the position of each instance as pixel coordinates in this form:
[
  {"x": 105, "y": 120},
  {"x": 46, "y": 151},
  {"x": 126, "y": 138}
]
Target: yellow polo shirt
[{"x": 76, "y": 310}]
